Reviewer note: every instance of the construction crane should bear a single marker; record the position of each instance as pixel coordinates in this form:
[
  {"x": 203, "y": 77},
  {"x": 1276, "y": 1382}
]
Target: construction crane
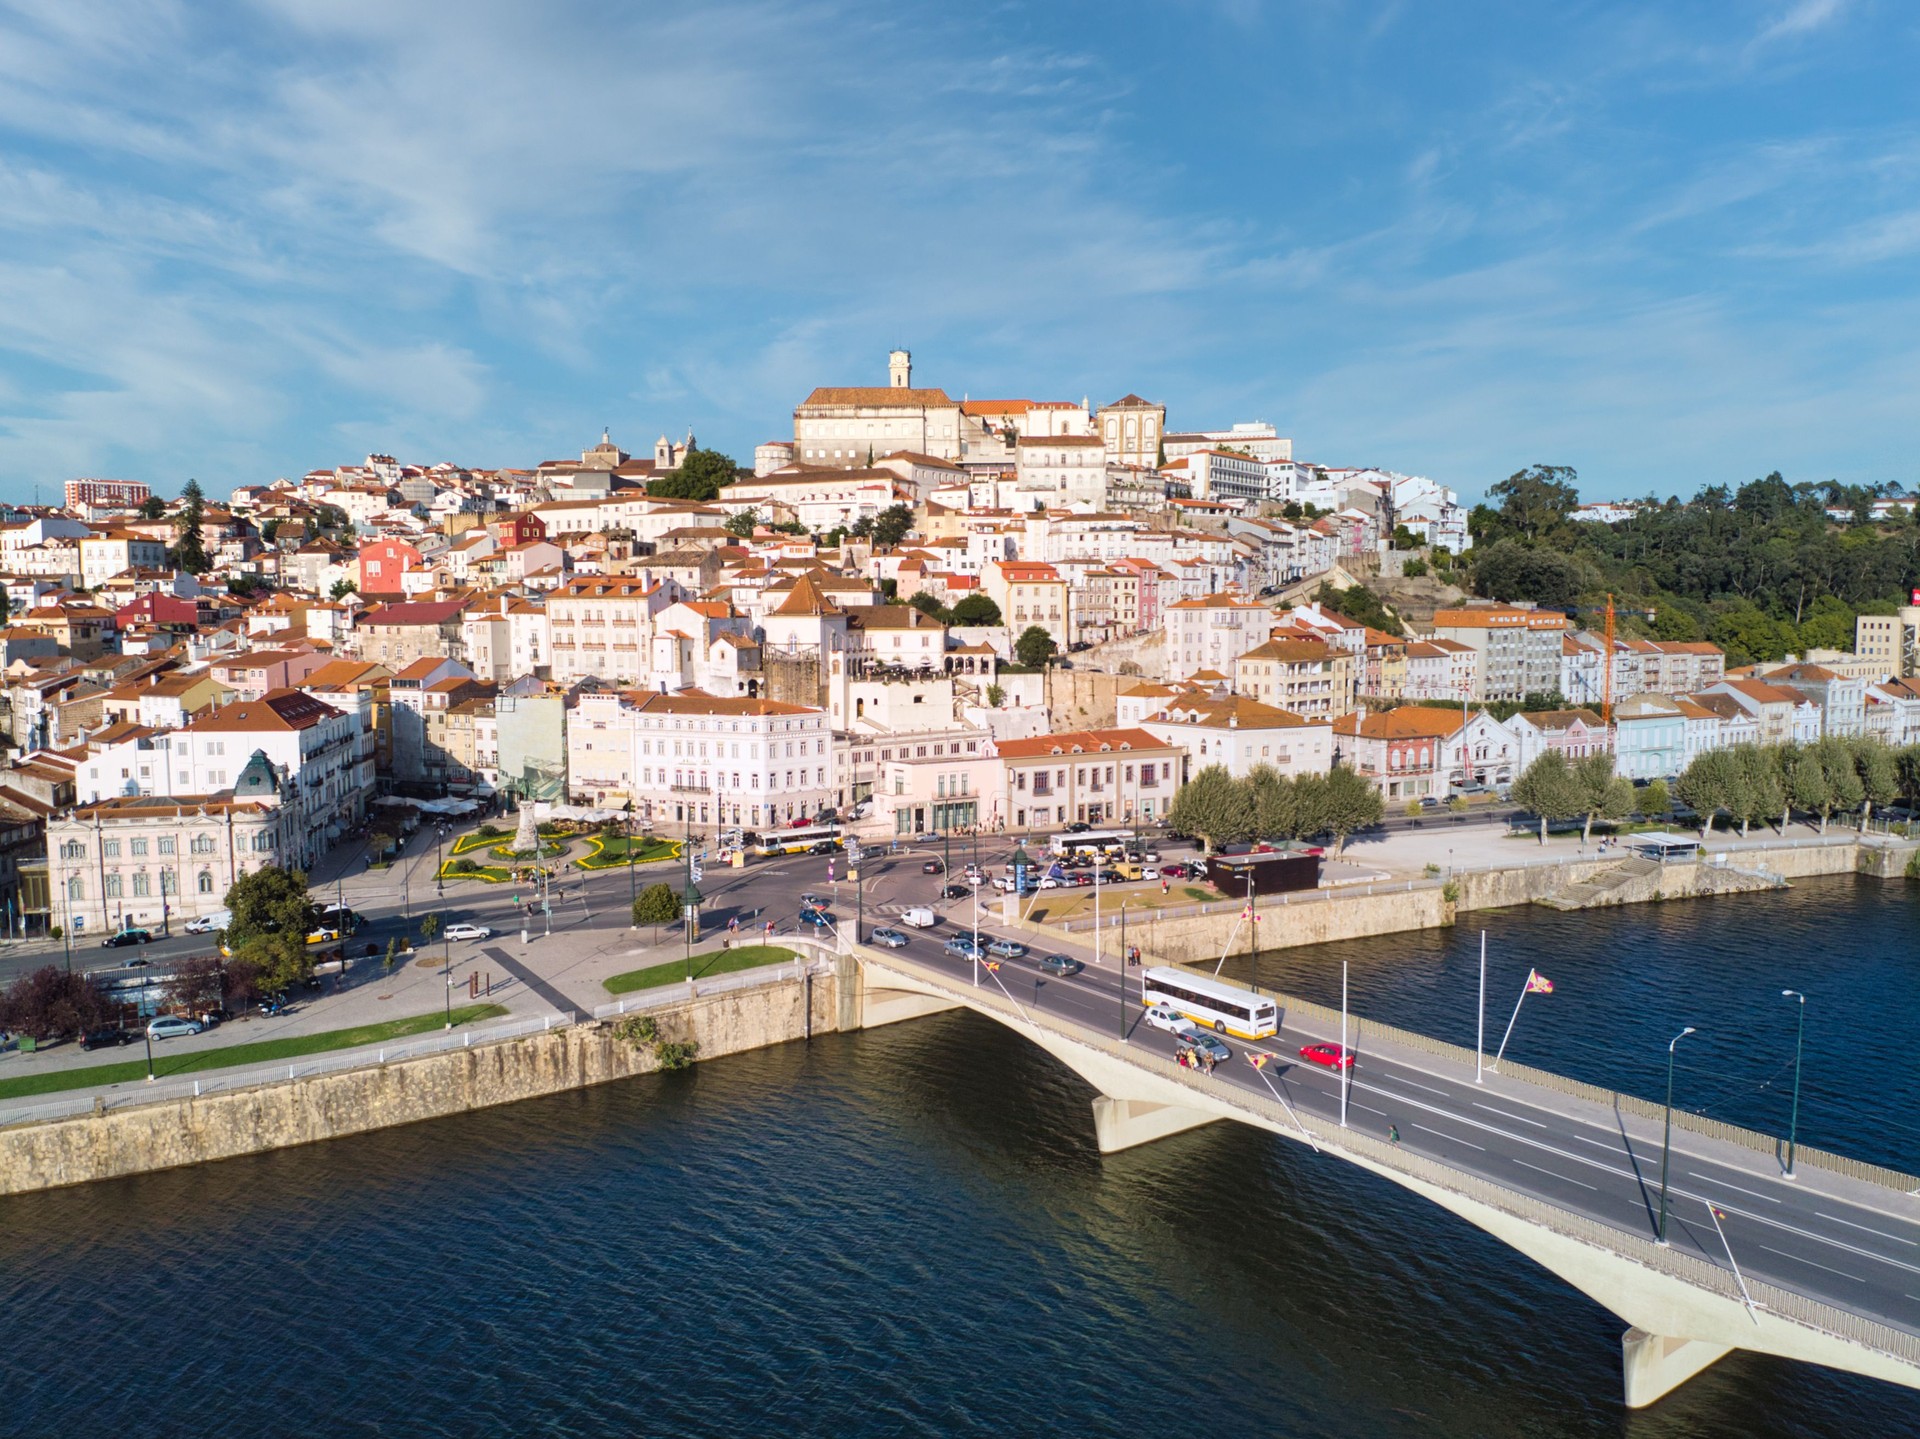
[{"x": 1606, "y": 704}]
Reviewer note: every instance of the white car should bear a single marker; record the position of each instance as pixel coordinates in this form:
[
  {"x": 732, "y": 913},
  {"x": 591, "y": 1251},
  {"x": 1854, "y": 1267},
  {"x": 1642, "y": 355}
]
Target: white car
[
  {"x": 469, "y": 931},
  {"x": 1162, "y": 1016},
  {"x": 202, "y": 925},
  {"x": 1149, "y": 873}
]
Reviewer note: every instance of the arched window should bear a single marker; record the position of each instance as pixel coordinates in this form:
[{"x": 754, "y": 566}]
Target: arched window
[
  {"x": 206, "y": 882},
  {"x": 76, "y": 889},
  {"x": 113, "y": 886}
]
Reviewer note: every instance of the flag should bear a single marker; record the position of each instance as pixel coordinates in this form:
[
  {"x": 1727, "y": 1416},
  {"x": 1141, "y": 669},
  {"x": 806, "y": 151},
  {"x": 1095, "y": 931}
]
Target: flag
[
  {"x": 1718, "y": 1212},
  {"x": 994, "y": 965},
  {"x": 1538, "y": 983},
  {"x": 1258, "y": 1061}
]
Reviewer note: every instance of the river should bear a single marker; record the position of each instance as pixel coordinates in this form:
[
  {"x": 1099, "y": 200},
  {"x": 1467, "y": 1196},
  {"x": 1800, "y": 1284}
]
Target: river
[{"x": 909, "y": 1231}]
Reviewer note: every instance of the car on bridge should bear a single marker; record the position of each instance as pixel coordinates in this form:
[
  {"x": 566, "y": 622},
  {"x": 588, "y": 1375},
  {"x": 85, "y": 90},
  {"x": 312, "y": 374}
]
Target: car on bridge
[
  {"x": 1006, "y": 949},
  {"x": 1062, "y": 965},
  {"x": 889, "y": 938},
  {"x": 1327, "y": 1056},
  {"x": 469, "y": 931},
  {"x": 1165, "y": 1016},
  {"x": 1202, "y": 1045},
  {"x": 963, "y": 945}
]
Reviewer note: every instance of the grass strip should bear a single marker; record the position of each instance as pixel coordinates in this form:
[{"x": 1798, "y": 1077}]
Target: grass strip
[
  {"x": 705, "y": 966},
  {"x": 610, "y": 851},
  {"x": 168, "y": 1066}
]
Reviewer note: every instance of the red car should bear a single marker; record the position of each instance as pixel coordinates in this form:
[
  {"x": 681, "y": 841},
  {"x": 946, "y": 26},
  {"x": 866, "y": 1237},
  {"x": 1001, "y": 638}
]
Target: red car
[
  {"x": 1173, "y": 871},
  {"x": 1327, "y": 1056}
]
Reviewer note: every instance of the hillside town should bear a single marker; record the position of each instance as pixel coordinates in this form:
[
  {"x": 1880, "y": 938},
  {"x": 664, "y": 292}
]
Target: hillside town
[{"x": 917, "y": 614}]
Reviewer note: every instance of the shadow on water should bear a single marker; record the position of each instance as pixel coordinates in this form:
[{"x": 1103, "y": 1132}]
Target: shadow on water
[{"x": 907, "y": 1231}]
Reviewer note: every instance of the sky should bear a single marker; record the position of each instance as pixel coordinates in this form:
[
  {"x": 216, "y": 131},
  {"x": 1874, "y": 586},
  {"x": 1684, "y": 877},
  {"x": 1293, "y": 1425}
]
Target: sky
[{"x": 1666, "y": 244}]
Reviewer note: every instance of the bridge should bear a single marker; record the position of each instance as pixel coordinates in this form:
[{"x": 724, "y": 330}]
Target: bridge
[{"x": 1821, "y": 1266}]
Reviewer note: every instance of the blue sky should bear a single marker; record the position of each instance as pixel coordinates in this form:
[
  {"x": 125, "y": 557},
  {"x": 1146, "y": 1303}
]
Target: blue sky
[{"x": 1666, "y": 244}]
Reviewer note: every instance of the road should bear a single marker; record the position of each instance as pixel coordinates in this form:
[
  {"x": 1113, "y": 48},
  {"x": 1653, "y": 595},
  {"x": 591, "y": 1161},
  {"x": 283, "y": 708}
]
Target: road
[{"x": 1849, "y": 1244}]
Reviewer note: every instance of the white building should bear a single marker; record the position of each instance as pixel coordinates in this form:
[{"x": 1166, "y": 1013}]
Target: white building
[
  {"x": 1241, "y": 733},
  {"x": 701, "y": 760}
]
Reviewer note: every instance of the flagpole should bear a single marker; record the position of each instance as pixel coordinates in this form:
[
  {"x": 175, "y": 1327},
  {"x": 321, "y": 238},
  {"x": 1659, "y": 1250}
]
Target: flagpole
[
  {"x": 1346, "y": 1068},
  {"x": 1713, "y": 1210},
  {"x": 1305, "y": 1134},
  {"x": 1510, "y": 1023},
  {"x": 1480, "y": 1034}
]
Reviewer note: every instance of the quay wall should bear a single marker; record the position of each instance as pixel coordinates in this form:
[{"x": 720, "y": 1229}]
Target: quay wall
[{"x": 137, "y": 1139}]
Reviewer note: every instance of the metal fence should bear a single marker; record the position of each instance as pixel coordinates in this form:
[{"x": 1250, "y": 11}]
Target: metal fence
[
  {"x": 682, "y": 991},
  {"x": 1256, "y": 1108},
  {"x": 255, "y": 1076},
  {"x": 1359, "y": 889}
]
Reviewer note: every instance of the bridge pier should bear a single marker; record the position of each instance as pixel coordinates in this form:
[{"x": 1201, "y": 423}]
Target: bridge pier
[
  {"x": 1122, "y": 1123},
  {"x": 1657, "y": 1364}
]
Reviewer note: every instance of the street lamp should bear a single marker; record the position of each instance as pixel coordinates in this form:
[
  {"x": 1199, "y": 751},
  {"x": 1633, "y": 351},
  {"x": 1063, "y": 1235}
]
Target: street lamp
[
  {"x": 446, "y": 969},
  {"x": 1800, "y": 1033},
  {"x": 1666, "y": 1147},
  {"x": 632, "y": 897},
  {"x": 439, "y": 870}
]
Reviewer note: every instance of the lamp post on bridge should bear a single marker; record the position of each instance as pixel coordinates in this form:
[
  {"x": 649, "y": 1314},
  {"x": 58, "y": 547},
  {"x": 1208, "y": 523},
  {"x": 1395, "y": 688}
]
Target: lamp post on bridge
[
  {"x": 1666, "y": 1146},
  {"x": 1800, "y": 1034}
]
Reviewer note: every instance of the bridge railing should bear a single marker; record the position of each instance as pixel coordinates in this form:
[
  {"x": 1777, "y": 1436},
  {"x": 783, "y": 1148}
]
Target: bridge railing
[
  {"x": 1362, "y": 1028},
  {"x": 1800, "y": 1309}
]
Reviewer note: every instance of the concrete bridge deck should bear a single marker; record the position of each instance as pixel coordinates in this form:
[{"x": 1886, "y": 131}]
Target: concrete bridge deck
[{"x": 1824, "y": 1267}]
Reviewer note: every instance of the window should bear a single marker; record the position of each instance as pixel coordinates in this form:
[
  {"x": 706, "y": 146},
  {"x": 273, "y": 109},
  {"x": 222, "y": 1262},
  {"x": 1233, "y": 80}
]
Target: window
[
  {"x": 73, "y": 849},
  {"x": 202, "y": 844},
  {"x": 113, "y": 886},
  {"x": 141, "y": 884},
  {"x": 205, "y": 884}
]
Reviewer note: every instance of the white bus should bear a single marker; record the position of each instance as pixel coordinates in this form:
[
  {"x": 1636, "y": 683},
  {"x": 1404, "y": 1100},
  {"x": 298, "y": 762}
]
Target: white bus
[
  {"x": 794, "y": 841},
  {"x": 1225, "y": 1008},
  {"x": 1090, "y": 842}
]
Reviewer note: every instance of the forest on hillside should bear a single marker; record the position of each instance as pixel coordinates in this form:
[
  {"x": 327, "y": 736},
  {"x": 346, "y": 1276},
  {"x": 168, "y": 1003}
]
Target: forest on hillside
[{"x": 1763, "y": 571}]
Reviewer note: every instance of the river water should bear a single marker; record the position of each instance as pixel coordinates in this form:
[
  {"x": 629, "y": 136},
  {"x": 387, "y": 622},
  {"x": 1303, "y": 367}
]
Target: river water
[{"x": 910, "y": 1232}]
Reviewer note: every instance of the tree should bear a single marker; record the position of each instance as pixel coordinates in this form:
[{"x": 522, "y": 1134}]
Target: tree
[
  {"x": 342, "y": 588},
  {"x": 1275, "y": 803},
  {"x": 996, "y": 695},
  {"x": 891, "y": 526},
  {"x": 1879, "y": 775},
  {"x": 1349, "y": 804},
  {"x": 1757, "y": 787},
  {"x": 1550, "y": 789},
  {"x": 976, "y": 610},
  {"x": 1705, "y": 785},
  {"x": 1536, "y": 501},
  {"x": 1654, "y": 799},
  {"x": 50, "y": 1002},
  {"x": 1034, "y": 647},
  {"x": 657, "y": 904},
  {"x": 429, "y": 927},
  {"x": 1357, "y": 602},
  {"x": 1214, "y": 807},
  {"x": 1603, "y": 794},
  {"x": 153, "y": 508},
  {"x": 272, "y": 916},
  {"x": 190, "y": 552},
  {"x": 197, "y": 984},
  {"x": 928, "y": 605},
  {"x": 701, "y": 476},
  {"x": 740, "y": 524},
  {"x": 1843, "y": 788},
  {"x": 1510, "y": 570}
]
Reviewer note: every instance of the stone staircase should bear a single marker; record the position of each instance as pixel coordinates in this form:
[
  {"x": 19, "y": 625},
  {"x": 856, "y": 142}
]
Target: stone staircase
[
  {"x": 1634, "y": 880},
  {"x": 1618, "y": 883}
]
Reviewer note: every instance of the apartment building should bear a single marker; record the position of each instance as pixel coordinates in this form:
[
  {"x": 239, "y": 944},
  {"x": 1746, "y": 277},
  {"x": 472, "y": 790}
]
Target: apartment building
[
  {"x": 1240, "y": 734},
  {"x": 1211, "y": 633},
  {"x": 1095, "y": 776},
  {"x": 1519, "y": 650},
  {"x": 1305, "y": 677},
  {"x": 599, "y": 626}
]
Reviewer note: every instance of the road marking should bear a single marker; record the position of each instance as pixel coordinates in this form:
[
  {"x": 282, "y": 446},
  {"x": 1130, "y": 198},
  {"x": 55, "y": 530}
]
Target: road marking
[
  {"x": 1443, "y": 1135},
  {"x": 1368, "y": 1107},
  {"x": 1504, "y": 1115},
  {"x": 1881, "y": 1232},
  {"x": 1811, "y": 1265},
  {"x": 1538, "y": 1170},
  {"x": 1612, "y": 1146},
  {"x": 1726, "y": 1184},
  {"x": 1402, "y": 1079}
]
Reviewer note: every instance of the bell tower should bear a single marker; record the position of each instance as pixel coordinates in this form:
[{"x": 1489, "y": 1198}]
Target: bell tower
[{"x": 900, "y": 370}]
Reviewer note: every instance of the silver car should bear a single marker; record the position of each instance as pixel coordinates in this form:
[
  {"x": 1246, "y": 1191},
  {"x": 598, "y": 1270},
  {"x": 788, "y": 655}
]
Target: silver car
[{"x": 172, "y": 1026}]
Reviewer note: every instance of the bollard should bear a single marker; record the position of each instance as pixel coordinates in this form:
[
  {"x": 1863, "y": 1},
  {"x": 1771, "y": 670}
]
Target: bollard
[
  {"x": 467, "y": 1043},
  {"x": 196, "y": 1089}
]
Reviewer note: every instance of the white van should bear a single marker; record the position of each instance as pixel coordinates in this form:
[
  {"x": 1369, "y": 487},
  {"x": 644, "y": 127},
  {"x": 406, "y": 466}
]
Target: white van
[
  {"x": 919, "y": 918},
  {"x": 210, "y": 923}
]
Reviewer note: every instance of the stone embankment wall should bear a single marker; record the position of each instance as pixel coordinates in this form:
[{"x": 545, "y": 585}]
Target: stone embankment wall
[{"x": 138, "y": 1139}]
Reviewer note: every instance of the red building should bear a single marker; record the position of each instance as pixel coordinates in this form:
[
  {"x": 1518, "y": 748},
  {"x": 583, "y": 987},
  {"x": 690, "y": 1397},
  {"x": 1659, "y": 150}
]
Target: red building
[
  {"x": 382, "y": 563},
  {"x": 166, "y": 612},
  {"x": 520, "y": 528}
]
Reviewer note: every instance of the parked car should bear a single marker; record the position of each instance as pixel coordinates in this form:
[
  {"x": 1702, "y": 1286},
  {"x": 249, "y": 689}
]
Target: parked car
[
  {"x": 105, "y": 1035},
  {"x": 890, "y": 938},
  {"x": 932, "y": 866},
  {"x": 956, "y": 891},
  {"x": 469, "y": 931},
  {"x": 963, "y": 946},
  {"x": 125, "y": 936},
  {"x": 1149, "y": 872},
  {"x": 1047, "y": 881},
  {"x": 1006, "y": 949},
  {"x": 1175, "y": 871},
  {"x": 919, "y": 917},
  {"x": 1079, "y": 826},
  {"x": 932, "y": 836},
  {"x": 1060, "y": 964},
  {"x": 203, "y": 925},
  {"x": 1080, "y": 876},
  {"x": 138, "y": 962},
  {"x": 1205, "y": 1046},
  {"x": 1164, "y": 1016},
  {"x": 1327, "y": 1056},
  {"x": 171, "y": 1026}
]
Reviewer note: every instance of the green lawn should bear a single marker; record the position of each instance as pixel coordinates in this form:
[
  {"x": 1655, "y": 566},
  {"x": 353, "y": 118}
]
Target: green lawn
[
  {"x": 610, "y": 851},
  {"x": 705, "y": 966},
  {"x": 170, "y": 1065}
]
